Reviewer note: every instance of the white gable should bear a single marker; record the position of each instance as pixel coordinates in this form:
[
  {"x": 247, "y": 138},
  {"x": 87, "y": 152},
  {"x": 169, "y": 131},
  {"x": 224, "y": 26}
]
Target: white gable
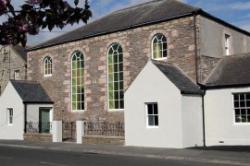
[
  {"x": 11, "y": 99},
  {"x": 153, "y": 86},
  {"x": 151, "y": 74}
]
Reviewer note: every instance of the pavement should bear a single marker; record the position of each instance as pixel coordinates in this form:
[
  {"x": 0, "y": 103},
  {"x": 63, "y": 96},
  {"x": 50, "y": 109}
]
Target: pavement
[{"x": 233, "y": 156}]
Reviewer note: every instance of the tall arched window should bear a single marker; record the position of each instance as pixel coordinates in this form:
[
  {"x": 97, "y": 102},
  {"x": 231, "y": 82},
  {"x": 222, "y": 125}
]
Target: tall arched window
[
  {"x": 115, "y": 77},
  {"x": 47, "y": 66},
  {"x": 159, "y": 47},
  {"x": 77, "y": 81}
]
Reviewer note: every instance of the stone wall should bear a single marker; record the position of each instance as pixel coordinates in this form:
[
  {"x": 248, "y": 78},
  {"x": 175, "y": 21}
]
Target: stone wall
[
  {"x": 37, "y": 137},
  {"x": 103, "y": 140},
  {"x": 136, "y": 44},
  {"x": 206, "y": 65},
  {"x": 9, "y": 62}
]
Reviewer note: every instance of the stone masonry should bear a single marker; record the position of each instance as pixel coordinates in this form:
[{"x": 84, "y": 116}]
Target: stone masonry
[
  {"x": 11, "y": 61},
  {"x": 136, "y": 44}
]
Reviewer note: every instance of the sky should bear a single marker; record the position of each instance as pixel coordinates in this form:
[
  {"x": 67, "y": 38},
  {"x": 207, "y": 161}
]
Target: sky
[{"x": 236, "y": 12}]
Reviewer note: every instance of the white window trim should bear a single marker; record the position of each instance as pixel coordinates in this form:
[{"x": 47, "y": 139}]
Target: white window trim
[
  {"x": 233, "y": 108},
  {"x": 113, "y": 110},
  {"x": 8, "y": 116},
  {"x": 152, "y": 48},
  {"x": 147, "y": 120},
  {"x": 44, "y": 68},
  {"x": 15, "y": 74},
  {"x": 227, "y": 44},
  {"x": 116, "y": 110},
  {"x": 72, "y": 110}
]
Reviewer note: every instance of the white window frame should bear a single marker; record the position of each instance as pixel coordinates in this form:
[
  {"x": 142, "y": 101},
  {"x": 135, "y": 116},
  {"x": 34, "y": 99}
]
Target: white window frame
[
  {"x": 147, "y": 115},
  {"x": 162, "y": 51},
  {"x": 15, "y": 75},
  {"x": 10, "y": 116},
  {"x": 48, "y": 66},
  {"x": 121, "y": 80},
  {"x": 227, "y": 45},
  {"x": 71, "y": 78},
  {"x": 246, "y": 108}
]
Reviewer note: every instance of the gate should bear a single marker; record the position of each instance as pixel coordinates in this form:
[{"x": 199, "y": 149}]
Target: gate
[{"x": 69, "y": 131}]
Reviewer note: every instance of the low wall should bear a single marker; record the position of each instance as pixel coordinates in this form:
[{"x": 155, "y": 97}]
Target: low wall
[
  {"x": 103, "y": 140},
  {"x": 37, "y": 137}
]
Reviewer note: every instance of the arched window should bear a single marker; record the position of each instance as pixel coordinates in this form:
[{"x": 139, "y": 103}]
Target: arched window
[
  {"x": 159, "y": 47},
  {"x": 115, "y": 77},
  {"x": 77, "y": 81},
  {"x": 47, "y": 66}
]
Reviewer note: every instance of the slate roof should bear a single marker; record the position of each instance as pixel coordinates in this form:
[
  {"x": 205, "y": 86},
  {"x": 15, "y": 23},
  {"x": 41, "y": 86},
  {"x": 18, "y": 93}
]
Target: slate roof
[
  {"x": 31, "y": 92},
  {"x": 181, "y": 81},
  {"x": 142, "y": 14},
  {"x": 231, "y": 71}
]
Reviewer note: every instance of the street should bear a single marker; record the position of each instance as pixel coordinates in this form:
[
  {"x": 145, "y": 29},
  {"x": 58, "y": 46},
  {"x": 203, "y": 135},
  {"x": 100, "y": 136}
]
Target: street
[{"x": 31, "y": 157}]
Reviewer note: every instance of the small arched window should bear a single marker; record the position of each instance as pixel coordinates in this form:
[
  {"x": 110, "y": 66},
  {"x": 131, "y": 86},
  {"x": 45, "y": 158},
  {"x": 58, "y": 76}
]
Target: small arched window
[
  {"x": 77, "y": 81},
  {"x": 115, "y": 77},
  {"x": 47, "y": 66},
  {"x": 159, "y": 47}
]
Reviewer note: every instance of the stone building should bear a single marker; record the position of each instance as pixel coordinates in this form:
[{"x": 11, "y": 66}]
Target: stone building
[
  {"x": 13, "y": 64},
  {"x": 195, "y": 42},
  {"x": 87, "y": 71}
]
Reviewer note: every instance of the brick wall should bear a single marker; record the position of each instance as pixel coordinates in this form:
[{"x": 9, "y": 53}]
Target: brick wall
[{"x": 136, "y": 45}]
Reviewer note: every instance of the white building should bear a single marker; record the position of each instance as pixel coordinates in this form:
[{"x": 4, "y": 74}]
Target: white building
[
  {"x": 163, "y": 109},
  {"x": 227, "y": 102},
  {"x": 24, "y": 106}
]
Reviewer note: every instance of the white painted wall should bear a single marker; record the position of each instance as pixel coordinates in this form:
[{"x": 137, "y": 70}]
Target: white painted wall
[
  {"x": 33, "y": 111},
  {"x": 192, "y": 121},
  {"x": 57, "y": 131},
  {"x": 152, "y": 86},
  {"x": 212, "y": 39},
  {"x": 11, "y": 99},
  {"x": 219, "y": 119}
]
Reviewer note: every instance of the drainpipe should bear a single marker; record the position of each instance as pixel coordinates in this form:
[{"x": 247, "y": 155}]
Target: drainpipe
[
  {"x": 25, "y": 117},
  {"x": 9, "y": 64},
  {"x": 203, "y": 120},
  {"x": 198, "y": 79},
  {"x": 196, "y": 49}
]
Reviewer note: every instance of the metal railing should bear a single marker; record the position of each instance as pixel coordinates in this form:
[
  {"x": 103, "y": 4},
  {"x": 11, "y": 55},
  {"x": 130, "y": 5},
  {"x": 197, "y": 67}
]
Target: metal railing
[
  {"x": 104, "y": 129},
  {"x": 38, "y": 127},
  {"x": 69, "y": 131}
]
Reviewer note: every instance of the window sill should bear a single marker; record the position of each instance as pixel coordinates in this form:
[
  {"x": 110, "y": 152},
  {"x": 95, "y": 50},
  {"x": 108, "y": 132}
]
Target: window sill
[
  {"x": 159, "y": 59},
  {"x": 242, "y": 124},
  {"x": 46, "y": 76},
  {"x": 115, "y": 110},
  {"x": 77, "y": 111},
  {"x": 152, "y": 127}
]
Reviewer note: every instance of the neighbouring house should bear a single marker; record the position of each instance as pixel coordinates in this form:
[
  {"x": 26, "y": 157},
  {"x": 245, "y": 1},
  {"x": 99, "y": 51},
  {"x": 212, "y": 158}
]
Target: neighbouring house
[
  {"x": 13, "y": 64},
  {"x": 25, "y": 101},
  {"x": 163, "y": 108},
  {"x": 86, "y": 73},
  {"x": 227, "y": 102}
]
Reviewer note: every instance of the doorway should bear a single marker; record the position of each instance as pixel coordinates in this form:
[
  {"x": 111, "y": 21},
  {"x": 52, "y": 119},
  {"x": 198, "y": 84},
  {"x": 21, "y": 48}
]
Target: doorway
[{"x": 44, "y": 120}]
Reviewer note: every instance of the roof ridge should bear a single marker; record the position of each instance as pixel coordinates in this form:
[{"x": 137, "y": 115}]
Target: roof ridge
[
  {"x": 138, "y": 5},
  {"x": 24, "y": 81}
]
